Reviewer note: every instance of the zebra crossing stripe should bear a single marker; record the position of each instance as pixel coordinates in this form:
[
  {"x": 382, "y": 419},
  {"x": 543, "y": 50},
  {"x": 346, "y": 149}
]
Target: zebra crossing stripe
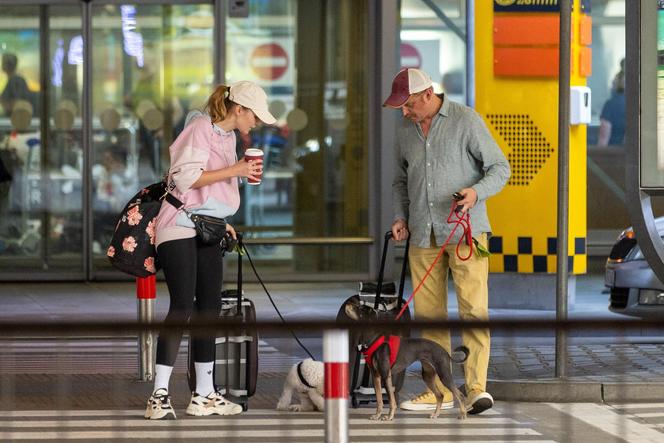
[
  {"x": 234, "y": 434},
  {"x": 609, "y": 421},
  {"x": 140, "y": 422}
]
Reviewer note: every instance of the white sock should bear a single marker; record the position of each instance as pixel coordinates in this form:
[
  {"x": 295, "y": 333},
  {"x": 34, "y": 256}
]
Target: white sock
[
  {"x": 162, "y": 374},
  {"x": 204, "y": 383}
]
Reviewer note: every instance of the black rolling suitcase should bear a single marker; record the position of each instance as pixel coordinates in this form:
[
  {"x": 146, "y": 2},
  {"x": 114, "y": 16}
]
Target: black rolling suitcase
[
  {"x": 383, "y": 298},
  {"x": 236, "y": 356}
]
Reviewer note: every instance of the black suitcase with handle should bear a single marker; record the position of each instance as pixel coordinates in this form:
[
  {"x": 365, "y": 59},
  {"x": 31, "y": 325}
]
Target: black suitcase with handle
[
  {"x": 236, "y": 356},
  {"x": 387, "y": 302}
]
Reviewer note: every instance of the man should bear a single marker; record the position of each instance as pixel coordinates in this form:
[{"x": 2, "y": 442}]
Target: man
[
  {"x": 16, "y": 87},
  {"x": 443, "y": 147}
]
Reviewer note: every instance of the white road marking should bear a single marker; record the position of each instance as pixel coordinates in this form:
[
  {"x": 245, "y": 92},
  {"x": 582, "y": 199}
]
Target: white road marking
[{"x": 604, "y": 418}]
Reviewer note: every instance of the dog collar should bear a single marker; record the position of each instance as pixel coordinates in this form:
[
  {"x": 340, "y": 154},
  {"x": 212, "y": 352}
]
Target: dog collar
[{"x": 301, "y": 375}]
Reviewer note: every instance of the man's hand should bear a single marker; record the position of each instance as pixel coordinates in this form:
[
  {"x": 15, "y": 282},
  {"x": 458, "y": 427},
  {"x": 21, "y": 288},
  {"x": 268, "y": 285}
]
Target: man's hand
[
  {"x": 400, "y": 230},
  {"x": 469, "y": 199}
]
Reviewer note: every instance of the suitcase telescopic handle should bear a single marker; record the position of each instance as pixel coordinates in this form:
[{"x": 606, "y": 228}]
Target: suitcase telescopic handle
[
  {"x": 239, "y": 271},
  {"x": 402, "y": 279},
  {"x": 381, "y": 271}
]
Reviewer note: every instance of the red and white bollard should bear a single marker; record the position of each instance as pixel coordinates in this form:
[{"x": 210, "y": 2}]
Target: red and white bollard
[
  {"x": 146, "y": 294},
  {"x": 335, "y": 356}
]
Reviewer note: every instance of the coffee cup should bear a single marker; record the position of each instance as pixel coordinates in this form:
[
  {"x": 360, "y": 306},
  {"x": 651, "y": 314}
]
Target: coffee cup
[{"x": 254, "y": 154}]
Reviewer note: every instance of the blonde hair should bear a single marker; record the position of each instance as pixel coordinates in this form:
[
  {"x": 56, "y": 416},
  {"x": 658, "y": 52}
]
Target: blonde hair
[{"x": 218, "y": 104}]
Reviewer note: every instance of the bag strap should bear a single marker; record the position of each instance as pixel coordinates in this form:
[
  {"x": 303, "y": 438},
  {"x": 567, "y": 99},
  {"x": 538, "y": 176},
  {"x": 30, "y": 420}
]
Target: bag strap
[{"x": 174, "y": 201}]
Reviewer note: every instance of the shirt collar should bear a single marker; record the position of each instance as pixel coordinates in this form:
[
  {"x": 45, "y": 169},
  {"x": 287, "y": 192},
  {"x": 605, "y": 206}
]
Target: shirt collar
[
  {"x": 445, "y": 109},
  {"x": 220, "y": 131}
]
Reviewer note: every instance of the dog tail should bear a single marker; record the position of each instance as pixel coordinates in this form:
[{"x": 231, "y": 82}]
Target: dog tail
[{"x": 456, "y": 358}]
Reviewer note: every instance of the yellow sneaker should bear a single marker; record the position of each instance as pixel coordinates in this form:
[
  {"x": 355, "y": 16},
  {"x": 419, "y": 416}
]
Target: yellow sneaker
[{"x": 426, "y": 401}]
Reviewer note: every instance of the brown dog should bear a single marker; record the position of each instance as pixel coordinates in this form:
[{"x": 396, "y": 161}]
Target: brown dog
[{"x": 391, "y": 355}]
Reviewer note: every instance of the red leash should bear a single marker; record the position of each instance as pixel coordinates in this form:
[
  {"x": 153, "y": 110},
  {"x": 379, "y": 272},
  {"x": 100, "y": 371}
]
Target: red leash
[{"x": 458, "y": 219}]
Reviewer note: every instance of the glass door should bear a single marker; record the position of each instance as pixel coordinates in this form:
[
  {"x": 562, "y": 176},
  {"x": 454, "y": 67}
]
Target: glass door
[{"x": 41, "y": 155}]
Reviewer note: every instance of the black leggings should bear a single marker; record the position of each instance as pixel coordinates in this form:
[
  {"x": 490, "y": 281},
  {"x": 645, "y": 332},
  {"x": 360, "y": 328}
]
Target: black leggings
[{"x": 192, "y": 269}]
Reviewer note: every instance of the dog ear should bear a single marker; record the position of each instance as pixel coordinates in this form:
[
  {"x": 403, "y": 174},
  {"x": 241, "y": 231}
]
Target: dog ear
[{"x": 351, "y": 311}]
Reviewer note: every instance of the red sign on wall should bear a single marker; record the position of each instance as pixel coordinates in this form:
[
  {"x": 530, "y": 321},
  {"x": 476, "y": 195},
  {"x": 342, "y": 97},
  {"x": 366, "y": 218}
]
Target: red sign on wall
[
  {"x": 268, "y": 61},
  {"x": 410, "y": 56}
]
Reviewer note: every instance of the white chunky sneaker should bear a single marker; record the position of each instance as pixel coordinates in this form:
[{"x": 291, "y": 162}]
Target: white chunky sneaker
[
  {"x": 159, "y": 406},
  {"x": 214, "y": 403}
]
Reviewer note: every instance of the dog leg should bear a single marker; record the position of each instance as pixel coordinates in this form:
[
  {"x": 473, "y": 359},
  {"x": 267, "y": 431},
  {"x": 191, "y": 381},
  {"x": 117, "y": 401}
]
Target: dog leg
[
  {"x": 305, "y": 404},
  {"x": 317, "y": 399},
  {"x": 390, "y": 392},
  {"x": 286, "y": 396},
  {"x": 379, "y": 396},
  {"x": 462, "y": 402},
  {"x": 429, "y": 377}
]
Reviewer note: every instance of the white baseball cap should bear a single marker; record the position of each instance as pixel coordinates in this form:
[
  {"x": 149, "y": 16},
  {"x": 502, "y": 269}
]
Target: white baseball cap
[
  {"x": 406, "y": 82},
  {"x": 252, "y": 96}
]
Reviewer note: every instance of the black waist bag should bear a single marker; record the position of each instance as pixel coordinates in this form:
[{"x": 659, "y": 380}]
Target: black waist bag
[{"x": 210, "y": 230}]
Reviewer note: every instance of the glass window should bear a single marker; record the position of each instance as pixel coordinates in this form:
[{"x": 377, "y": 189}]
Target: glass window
[
  {"x": 311, "y": 58},
  {"x": 151, "y": 64},
  {"x": 434, "y": 46}
]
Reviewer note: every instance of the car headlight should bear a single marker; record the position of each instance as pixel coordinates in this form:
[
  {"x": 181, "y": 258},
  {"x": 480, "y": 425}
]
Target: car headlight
[{"x": 651, "y": 297}]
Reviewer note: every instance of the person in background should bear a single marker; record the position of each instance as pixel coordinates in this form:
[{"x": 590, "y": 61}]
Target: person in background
[
  {"x": 204, "y": 174},
  {"x": 612, "y": 118},
  {"x": 443, "y": 148},
  {"x": 16, "y": 87}
]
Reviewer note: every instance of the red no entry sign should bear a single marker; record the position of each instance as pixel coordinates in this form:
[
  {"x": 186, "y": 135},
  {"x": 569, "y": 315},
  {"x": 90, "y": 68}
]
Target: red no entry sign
[
  {"x": 410, "y": 56},
  {"x": 269, "y": 61}
]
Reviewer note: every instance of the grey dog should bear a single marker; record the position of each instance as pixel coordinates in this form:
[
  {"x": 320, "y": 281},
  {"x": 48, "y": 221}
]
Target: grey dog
[{"x": 429, "y": 353}]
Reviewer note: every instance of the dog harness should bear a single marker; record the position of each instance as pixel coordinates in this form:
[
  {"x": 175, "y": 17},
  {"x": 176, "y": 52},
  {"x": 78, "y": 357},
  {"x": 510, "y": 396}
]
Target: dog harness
[
  {"x": 301, "y": 375},
  {"x": 393, "y": 341}
]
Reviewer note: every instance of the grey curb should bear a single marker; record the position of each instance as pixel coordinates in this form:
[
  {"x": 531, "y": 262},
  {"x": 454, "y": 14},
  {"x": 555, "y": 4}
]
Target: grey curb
[{"x": 569, "y": 391}]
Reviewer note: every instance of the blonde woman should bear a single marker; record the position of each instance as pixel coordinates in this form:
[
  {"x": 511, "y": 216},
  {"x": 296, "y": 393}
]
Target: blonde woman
[{"x": 203, "y": 175}]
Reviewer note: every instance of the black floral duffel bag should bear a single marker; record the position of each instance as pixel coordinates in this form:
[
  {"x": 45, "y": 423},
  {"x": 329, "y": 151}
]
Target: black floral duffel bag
[{"x": 132, "y": 249}]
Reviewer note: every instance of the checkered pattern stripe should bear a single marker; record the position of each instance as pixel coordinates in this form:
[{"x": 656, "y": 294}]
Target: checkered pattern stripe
[{"x": 534, "y": 255}]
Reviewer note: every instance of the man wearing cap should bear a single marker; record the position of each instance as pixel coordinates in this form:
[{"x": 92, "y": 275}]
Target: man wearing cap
[{"x": 443, "y": 147}]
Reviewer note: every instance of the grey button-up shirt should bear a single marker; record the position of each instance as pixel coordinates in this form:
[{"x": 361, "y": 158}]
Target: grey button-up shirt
[{"x": 458, "y": 153}]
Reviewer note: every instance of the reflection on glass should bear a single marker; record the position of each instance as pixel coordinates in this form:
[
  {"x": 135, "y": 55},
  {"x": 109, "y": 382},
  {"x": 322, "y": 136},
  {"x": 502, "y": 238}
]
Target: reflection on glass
[
  {"x": 315, "y": 182},
  {"x": 40, "y": 183},
  {"x": 151, "y": 65}
]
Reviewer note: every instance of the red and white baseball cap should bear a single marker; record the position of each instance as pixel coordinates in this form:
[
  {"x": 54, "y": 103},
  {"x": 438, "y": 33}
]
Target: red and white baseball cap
[
  {"x": 408, "y": 81},
  {"x": 252, "y": 96}
]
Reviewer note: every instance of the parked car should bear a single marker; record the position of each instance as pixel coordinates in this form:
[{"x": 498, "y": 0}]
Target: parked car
[{"x": 635, "y": 289}]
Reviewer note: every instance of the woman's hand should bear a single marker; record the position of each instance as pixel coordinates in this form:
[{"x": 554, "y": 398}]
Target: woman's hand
[
  {"x": 231, "y": 229},
  {"x": 249, "y": 168}
]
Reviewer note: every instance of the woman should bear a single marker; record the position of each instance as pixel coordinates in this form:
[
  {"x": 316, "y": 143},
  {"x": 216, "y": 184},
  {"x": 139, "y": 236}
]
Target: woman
[{"x": 204, "y": 176}]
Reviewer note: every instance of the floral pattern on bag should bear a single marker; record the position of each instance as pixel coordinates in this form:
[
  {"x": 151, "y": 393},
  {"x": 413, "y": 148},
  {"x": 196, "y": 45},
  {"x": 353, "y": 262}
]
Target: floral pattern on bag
[
  {"x": 134, "y": 216},
  {"x": 148, "y": 264},
  {"x": 129, "y": 244},
  {"x": 132, "y": 247},
  {"x": 150, "y": 230}
]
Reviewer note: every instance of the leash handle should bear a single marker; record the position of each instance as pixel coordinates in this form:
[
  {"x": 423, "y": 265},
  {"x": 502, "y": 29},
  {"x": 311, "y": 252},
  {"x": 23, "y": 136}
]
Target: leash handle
[
  {"x": 381, "y": 272},
  {"x": 461, "y": 220}
]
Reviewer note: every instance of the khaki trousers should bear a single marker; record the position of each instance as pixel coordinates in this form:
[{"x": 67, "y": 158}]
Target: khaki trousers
[{"x": 470, "y": 280}]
